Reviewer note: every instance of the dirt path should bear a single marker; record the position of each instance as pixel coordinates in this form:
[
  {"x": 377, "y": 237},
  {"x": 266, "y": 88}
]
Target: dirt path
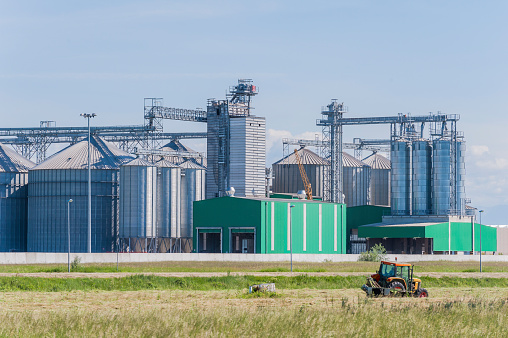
[{"x": 258, "y": 274}]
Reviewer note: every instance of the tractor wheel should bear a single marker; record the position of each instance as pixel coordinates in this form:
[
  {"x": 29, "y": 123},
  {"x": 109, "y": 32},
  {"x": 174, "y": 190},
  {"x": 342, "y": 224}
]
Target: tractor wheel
[
  {"x": 422, "y": 293},
  {"x": 397, "y": 288}
]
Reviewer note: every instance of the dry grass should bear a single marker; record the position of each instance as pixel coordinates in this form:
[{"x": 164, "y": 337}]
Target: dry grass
[{"x": 304, "y": 312}]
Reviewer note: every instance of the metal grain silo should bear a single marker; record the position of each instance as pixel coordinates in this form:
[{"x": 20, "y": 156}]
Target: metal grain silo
[
  {"x": 441, "y": 177},
  {"x": 380, "y": 169},
  {"x": 138, "y": 204},
  {"x": 461, "y": 176},
  {"x": 287, "y": 178},
  {"x": 63, "y": 176},
  {"x": 356, "y": 181},
  {"x": 176, "y": 146},
  {"x": 421, "y": 177},
  {"x": 192, "y": 189},
  {"x": 13, "y": 199},
  {"x": 401, "y": 178},
  {"x": 168, "y": 199}
]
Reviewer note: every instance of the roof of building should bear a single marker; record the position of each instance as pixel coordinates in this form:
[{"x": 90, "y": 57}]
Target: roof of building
[
  {"x": 175, "y": 145},
  {"x": 103, "y": 155},
  {"x": 12, "y": 162},
  {"x": 377, "y": 161},
  {"x": 306, "y": 157},
  {"x": 189, "y": 164}
]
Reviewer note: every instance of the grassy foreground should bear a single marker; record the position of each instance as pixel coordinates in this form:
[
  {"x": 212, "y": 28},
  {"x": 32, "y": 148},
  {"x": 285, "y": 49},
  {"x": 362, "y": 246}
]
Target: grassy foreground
[
  {"x": 439, "y": 266},
  {"x": 150, "y": 282},
  {"x": 222, "y": 313}
]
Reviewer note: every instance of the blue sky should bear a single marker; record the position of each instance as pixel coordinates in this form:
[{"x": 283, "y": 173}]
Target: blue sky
[{"x": 61, "y": 58}]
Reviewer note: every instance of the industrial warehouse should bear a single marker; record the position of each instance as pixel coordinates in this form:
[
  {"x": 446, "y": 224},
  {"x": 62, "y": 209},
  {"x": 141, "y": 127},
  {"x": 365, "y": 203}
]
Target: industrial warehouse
[{"x": 140, "y": 189}]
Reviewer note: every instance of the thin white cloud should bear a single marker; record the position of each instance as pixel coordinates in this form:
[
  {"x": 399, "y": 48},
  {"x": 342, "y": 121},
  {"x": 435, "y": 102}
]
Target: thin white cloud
[
  {"x": 493, "y": 164},
  {"x": 477, "y": 150}
]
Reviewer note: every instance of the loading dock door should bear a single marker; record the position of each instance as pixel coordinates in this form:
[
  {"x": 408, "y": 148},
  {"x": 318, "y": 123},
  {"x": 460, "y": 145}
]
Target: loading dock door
[
  {"x": 242, "y": 242},
  {"x": 209, "y": 241}
]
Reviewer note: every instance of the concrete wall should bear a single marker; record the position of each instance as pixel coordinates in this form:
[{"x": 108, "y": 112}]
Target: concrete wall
[
  {"x": 61, "y": 258},
  {"x": 502, "y": 240}
]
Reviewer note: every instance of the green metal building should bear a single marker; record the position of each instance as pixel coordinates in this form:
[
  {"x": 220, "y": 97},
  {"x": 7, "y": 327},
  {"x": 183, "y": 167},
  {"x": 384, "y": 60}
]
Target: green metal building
[
  {"x": 262, "y": 225},
  {"x": 431, "y": 236}
]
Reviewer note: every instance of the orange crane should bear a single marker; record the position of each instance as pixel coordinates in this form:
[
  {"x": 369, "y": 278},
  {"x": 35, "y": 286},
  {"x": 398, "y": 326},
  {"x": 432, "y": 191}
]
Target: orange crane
[{"x": 305, "y": 179}]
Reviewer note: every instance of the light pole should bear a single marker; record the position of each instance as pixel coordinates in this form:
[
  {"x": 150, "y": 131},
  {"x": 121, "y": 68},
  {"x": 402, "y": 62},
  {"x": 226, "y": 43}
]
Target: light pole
[
  {"x": 291, "y": 235},
  {"x": 69, "y": 234},
  {"x": 89, "y": 243},
  {"x": 481, "y": 211}
]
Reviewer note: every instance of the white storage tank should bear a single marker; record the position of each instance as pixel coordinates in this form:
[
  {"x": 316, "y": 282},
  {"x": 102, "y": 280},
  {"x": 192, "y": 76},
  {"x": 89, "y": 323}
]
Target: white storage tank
[
  {"x": 380, "y": 171},
  {"x": 168, "y": 199},
  {"x": 356, "y": 181},
  {"x": 192, "y": 189}
]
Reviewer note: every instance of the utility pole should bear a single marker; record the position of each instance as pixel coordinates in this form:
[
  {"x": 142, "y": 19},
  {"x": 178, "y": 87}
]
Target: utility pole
[{"x": 89, "y": 243}]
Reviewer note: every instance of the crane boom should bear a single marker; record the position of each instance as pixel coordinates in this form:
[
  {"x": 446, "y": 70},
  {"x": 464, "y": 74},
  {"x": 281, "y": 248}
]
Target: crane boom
[{"x": 305, "y": 179}]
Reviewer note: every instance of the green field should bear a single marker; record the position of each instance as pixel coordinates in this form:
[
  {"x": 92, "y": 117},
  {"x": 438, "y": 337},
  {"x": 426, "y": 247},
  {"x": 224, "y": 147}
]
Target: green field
[
  {"x": 313, "y": 304},
  {"x": 439, "y": 266}
]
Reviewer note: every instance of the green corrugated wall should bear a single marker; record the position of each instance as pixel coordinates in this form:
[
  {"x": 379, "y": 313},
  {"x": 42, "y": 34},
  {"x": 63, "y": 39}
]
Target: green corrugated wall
[{"x": 227, "y": 212}]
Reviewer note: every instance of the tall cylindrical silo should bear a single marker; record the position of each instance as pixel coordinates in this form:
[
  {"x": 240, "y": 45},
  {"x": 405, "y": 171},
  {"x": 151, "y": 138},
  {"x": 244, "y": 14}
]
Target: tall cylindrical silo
[
  {"x": 13, "y": 200},
  {"x": 441, "y": 177},
  {"x": 421, "y": 177},
  {"x": 356, "y": 181},
  {"x": 380, "y": 169},
  {"x": 138, "y": 203},
  {"x": 401, "y": 176},
  {"x": 168, "y": 200},
  {"x": 64, "y": 176},
  {"x": 287, "y": 177},
  {"x": 192, "y": 189},
  {"x": 461, "y": 176}
]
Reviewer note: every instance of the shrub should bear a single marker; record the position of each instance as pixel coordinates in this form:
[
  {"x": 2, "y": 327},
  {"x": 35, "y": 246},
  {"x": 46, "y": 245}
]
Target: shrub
[
  {"x": 375, "y": 254},
  {"x": 76, "y": 263}
]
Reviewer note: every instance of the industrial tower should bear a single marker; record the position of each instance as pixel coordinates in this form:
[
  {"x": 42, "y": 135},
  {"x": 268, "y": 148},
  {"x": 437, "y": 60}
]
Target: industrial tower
[{"x": 236, "y": 144}]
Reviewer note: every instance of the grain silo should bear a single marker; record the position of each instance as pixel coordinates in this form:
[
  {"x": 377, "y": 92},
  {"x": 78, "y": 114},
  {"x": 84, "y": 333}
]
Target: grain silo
[
  {"x": 400, "y": 178},
  {"x": 168, "y": 202},
  {"x": 138, "y": 205},
  {"x": 286, "y": 173},
  {"x": 64, "y": 176},
  {"x": 356, "y": 181},
  {"x": 442, "y": 184},
  {"x": 421, "y": 158},
  {"x": 380, "y": 170},
  {"x": 177, "y": 147},
  {"x": 192, "y": 189},
  {"x": 13, "y": 199}
]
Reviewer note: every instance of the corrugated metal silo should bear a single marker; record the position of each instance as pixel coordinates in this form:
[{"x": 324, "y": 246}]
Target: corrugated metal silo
[
  {"x": 380, "y": 169},
  {"x": 422, "y": 177},
  {"x": 287, "y": 178},
  {"x": 63, "y": 176},
  {"x": 401, "y": 177},
  {"x": 168, "y": 189},
  {"x": 461, "y": 177},
  {"x": 441, "y": 177},
  {"x": 356, "y": 181},
  {"x": 192, "y": 189},
  {"x": 138, "y": 203},
  {"x": 13, "y": 199}
]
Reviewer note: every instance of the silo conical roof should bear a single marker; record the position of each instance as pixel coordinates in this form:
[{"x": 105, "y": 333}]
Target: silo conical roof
[
  {"x": 306, "y": 157},
  {"x": 103, "y": 155},
  {"x": 166, "y": 164},
  {"x": 350, "y": 161},
  {"x": 12, "y": 162},
  {"x": 138, "y": 162},
  {"x": 175, "y": 145},
  {"x": 191, "y": 165},
  {"x": 377, "y": 161}
]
